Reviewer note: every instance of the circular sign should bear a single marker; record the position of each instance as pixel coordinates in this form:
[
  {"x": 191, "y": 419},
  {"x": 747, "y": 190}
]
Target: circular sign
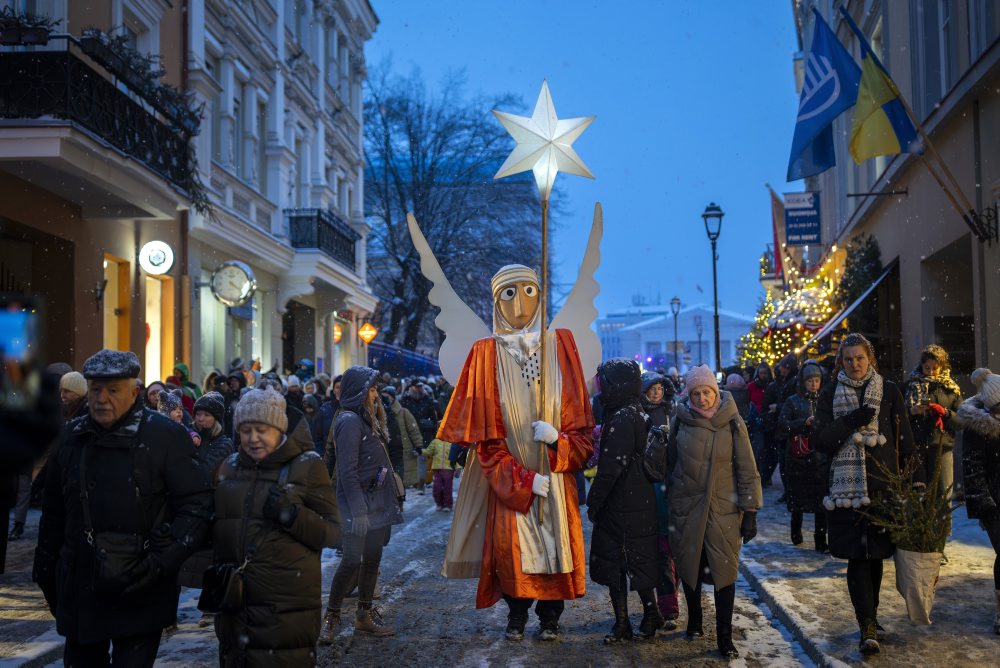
[
  {"x": 233, "y": 283},
  {"x": 156, "y": 258}
]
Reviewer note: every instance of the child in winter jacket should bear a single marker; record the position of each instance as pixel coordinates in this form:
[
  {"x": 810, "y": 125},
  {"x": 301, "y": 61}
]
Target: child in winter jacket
[
  {"x": 170, "y": 405},
  {"x": 438, "y": 454}
]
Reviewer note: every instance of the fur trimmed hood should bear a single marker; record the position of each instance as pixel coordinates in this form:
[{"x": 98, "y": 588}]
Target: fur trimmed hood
[{"x": 975, "y": 417}]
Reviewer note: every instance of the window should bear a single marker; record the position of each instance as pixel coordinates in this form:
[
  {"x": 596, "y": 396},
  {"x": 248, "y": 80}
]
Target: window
[
  {"x": 878, "y": 47},
  {"x": 926, "y": 36},
  {"x": 262, "y": 148},
  {"x": 652, "y": 347},
  {"x": 331, "y": 56},
  {"x": 948, "y": 21},
  {"x": 212, "y": 67},
  {"x": 982, "y": 27},
  {"x": 239, "y": 130}
]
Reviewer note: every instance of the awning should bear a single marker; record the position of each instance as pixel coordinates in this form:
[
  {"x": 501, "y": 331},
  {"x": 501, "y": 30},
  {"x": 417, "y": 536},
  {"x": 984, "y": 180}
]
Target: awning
[{"x": 835, "y": 321}]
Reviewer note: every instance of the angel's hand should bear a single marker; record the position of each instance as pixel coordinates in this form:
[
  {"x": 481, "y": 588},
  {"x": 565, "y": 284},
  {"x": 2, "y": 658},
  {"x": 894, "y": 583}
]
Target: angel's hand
[{"x": 544, "y": 432}]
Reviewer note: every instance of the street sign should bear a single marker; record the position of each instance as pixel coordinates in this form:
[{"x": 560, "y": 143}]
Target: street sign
[{"x": 802, "y": 221}]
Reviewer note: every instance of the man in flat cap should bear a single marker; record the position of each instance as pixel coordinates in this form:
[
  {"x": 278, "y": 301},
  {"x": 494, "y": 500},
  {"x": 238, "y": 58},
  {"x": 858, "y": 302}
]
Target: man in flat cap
[{"x": 125, "y": 503}]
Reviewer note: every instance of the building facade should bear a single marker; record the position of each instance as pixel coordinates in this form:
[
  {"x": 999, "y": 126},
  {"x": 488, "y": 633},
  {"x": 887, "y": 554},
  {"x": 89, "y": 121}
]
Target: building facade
[
  {"x": 89, "y": 177},
  {"x": 646, "y": 334},
  {"x": 937, "y": 288}
]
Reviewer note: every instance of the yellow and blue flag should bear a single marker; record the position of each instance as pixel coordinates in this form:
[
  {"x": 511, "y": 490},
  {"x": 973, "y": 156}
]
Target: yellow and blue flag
[
  {"x": 829, "y": 87},
  {"x": 881, "y": 125}
]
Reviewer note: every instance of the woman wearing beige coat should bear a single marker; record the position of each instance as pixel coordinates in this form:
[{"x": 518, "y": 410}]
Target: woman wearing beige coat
[{"x": 713, "y": 495}]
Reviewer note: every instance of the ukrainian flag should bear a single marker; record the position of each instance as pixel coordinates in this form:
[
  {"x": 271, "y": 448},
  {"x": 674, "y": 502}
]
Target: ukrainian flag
[{"x": 881, "y": 125}]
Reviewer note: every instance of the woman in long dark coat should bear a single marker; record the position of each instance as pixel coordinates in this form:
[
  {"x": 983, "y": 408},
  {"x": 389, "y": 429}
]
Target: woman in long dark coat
[
  {"x": 621, "y": 504},
  {"x": 861, "y": 422},
  {"x": 806, "y": 470}
]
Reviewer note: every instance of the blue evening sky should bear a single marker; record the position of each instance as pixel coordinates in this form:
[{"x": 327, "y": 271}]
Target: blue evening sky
[{"x": 695, "y": 102}]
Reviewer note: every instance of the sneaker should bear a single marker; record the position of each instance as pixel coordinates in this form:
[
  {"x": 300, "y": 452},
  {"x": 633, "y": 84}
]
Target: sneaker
[
  {"x": 869, "y": 640},
  {"x": 549, "y": 632}
]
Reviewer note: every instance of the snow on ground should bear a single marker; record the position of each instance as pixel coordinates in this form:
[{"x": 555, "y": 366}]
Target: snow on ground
[{"x": 808, "y": 592}]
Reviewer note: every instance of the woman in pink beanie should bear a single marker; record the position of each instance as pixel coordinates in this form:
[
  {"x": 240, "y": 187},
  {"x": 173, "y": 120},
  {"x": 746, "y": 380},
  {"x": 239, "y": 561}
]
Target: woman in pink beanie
[{"x": 713, "y": 495}]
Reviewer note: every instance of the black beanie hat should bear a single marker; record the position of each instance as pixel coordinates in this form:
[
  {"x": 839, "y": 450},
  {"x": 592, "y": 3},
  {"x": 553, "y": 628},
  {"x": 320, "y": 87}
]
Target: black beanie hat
[{"x": 213, "y": 404}]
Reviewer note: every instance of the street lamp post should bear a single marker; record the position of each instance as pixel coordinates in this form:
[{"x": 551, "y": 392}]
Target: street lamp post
[
  {"x": 713, "y": 227},
  {"x": 675, "y": 308},
  {"x": 699, "y": 328}
]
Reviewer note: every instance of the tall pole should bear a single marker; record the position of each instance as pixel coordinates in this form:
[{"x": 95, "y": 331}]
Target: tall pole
[
  {"x": 676, "y": 363},
  {"x": 715, "y": 292},
  {"x": 543, "y": 448}
]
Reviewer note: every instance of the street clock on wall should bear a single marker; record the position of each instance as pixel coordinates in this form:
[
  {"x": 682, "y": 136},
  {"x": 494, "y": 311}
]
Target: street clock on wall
[{"x": 233, "y": 283}]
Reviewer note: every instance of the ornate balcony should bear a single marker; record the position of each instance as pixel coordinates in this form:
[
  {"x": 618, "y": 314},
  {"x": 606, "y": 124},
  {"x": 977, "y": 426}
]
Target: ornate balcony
[
  {"x": 325, "y": 231},
  {"x": 60, "y": 85}
]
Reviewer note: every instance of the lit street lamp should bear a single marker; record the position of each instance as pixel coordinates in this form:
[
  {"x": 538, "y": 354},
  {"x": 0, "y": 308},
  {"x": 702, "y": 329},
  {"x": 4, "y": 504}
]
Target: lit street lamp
[
  {"x": 713, "y": 226},
  {"x": 675, "y": 308}
]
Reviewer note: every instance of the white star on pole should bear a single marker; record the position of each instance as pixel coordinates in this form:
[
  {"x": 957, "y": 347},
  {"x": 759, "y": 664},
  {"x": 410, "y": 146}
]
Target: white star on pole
[{"x": 544, "y": 143}]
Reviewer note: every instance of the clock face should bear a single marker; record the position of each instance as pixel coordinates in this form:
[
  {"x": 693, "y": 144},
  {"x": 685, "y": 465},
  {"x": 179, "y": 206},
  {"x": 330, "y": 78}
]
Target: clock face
[{"x": 233, "y": 283}]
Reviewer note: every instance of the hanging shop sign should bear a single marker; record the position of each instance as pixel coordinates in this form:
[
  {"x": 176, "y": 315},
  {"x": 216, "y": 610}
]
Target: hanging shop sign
[
  {"x": 156, "y": 258},
  {"x": 802, "y": 222},
  {"x": 233, "y": 283}
]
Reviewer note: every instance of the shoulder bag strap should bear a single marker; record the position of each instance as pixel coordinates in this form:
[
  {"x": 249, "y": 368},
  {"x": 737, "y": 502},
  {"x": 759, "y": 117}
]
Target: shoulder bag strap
[{"x": 88, "y": 523}]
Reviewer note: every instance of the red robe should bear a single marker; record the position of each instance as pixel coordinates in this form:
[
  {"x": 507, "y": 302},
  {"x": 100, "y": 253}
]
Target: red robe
[{"x": 474, "y": 416}]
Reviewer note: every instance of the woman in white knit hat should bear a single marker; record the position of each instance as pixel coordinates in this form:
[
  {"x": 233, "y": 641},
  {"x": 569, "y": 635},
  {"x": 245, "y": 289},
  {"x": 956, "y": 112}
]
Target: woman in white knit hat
[
  {"x": 861, "y": 423},
  {"x": 980, "y": 415},
  {"x": 274, "y": 513}
]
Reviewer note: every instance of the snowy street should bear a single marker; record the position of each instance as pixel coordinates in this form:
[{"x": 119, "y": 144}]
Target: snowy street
[{"x": 438, "y": 625}]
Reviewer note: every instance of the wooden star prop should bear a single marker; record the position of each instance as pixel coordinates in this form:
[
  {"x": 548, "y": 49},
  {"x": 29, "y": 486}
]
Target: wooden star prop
[{"x": 544, "y": 143}]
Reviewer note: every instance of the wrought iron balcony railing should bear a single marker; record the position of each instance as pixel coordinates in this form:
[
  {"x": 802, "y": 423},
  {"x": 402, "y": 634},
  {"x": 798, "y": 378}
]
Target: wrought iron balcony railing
[
  {"x": 60, "y": 85},
  {"x": 324, "y": 230}
]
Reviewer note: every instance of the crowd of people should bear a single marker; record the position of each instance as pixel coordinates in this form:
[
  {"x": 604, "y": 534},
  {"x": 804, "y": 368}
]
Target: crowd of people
[{"x": 239, "y": 484}]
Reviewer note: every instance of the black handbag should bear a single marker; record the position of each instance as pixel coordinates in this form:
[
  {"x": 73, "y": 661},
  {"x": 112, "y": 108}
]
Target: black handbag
[{"x": 116, "y": 554}]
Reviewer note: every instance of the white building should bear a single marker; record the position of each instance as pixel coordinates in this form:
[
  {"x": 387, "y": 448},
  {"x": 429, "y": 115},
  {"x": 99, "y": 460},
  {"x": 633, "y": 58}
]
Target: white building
[
  {"x": 281, "y": 154},
  {"x": 646, "y": 334}
]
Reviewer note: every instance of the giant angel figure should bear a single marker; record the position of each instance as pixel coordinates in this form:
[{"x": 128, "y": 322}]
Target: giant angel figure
[{"x": 517, "y": 521}]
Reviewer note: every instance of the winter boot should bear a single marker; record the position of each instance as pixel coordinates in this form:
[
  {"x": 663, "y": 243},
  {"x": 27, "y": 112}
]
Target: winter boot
[
  {"x": 515, "y": 626},
  {"x": 331, "y": 627},
  {"x": 207, "y": 619},
  {"x": 725, "y": 601},
  {"x": 652, "y": 620},
  {"x": 693, "y": 597},
  {"x": 17, "y": 531},
  {"x": 668, "y": 608},
  {"x": 796, "y": 528},
  {"x": 549, "y": 630},
  {"x": 622, "y": 630},
  {"x": 869, "y": 639},
  {"x": 996, "y": 620},
  {"x": 821, "y": 546},
  {"x": 370, "y": 622}
]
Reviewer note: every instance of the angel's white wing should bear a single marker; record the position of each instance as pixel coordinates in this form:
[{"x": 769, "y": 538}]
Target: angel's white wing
[
  {"x": 460, "y": 324},
  {"x": 578, "y": 312}
]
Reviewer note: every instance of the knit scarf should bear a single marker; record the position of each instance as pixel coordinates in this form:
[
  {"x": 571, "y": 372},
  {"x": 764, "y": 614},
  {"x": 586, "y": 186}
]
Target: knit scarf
[{"x": 848, "y": 477}]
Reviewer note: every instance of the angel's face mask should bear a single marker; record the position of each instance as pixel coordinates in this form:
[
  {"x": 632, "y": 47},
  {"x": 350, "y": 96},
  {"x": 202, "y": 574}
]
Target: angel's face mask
[{"x": 518, "y": 303}]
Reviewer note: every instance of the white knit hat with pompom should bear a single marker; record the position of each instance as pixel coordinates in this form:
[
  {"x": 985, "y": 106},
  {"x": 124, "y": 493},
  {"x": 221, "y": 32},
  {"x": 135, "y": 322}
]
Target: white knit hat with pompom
[{"x": 988, "y": 384}]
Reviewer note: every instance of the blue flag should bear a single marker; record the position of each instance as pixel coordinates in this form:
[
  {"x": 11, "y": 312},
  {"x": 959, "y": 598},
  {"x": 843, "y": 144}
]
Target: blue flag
[{"x": 829, "y": 87}]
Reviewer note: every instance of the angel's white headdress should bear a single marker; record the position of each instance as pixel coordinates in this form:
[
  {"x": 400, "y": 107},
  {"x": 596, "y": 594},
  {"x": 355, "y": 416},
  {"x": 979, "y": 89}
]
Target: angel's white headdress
[{"x": 520, "y": 343}]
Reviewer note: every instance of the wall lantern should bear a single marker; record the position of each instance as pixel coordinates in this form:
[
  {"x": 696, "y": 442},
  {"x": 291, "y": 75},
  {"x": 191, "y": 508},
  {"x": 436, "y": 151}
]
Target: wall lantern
[
  {"x": 367, "y": 332},
  {"x": 156, "y": 258},
  {"x": 338, "y": 333}
]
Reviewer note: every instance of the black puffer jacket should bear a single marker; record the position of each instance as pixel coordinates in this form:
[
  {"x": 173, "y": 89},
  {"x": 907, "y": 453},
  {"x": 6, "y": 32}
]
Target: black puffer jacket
[
  {"x": 360, "y": 455},
  {"x": 424, "y": 409},
  {"x": 280, "y": 622},
  {"x": 621, "y": 500},
  {"x": 148, "y": 461},
  {"x": 980, "y": 460},
  {"x": 806, "y": 478},
  {"x": 851, "y": 535}
]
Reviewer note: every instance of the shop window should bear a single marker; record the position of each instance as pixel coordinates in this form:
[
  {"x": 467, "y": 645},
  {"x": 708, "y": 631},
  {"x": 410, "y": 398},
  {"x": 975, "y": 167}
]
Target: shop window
[
  {"x": 116, "y": 297},
  {"x": 159, "y": 335}
]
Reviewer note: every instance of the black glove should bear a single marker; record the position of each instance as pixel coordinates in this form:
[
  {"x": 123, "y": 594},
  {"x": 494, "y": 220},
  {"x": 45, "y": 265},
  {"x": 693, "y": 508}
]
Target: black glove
[
  {"x": 279, "y": 508},
  {"x": 859, "y": 417},
  {"x": 748, "y": 527},
  {"x": 146, "y": 572},
  {"x": 161, "y": 538}
]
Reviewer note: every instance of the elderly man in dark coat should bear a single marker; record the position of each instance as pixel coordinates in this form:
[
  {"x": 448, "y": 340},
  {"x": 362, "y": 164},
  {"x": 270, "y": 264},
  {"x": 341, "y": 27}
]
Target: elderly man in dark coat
[{"x": 108, "y": 569}]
